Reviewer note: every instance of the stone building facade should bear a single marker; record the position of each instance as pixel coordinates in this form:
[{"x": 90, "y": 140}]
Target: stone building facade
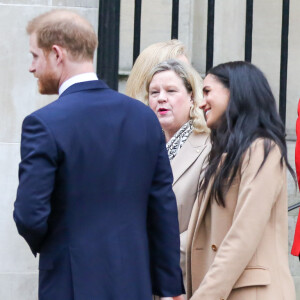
[{"x": 19, "y": 95}]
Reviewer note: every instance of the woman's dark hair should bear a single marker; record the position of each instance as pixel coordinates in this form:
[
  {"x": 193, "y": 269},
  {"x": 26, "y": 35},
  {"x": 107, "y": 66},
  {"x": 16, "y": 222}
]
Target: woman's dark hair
[{"x": 251, "y": 114}]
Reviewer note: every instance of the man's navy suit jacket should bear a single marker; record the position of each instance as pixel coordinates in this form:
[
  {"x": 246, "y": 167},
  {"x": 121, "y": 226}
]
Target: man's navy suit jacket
[{"x": 95, "y": 198}]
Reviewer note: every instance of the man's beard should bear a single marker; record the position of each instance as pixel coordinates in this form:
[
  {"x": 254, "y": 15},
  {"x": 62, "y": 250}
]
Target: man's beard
[{"x": 48, "y": 84}]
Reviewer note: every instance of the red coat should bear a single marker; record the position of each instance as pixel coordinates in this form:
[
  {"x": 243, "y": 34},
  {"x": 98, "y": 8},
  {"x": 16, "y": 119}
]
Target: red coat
[{"x": 296, "y": 245}]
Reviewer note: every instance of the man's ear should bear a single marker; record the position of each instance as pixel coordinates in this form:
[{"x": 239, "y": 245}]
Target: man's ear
[{"x": 59, "y": 53}]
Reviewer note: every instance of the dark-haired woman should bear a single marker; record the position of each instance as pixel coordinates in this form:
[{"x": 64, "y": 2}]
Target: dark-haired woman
[{"x": 237, "y": 236}]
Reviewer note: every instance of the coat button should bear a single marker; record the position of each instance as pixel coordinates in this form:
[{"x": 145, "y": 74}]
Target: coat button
[{"x": 214, "y": 248}]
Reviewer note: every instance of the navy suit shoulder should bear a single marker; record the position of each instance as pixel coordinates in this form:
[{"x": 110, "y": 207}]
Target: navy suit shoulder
[{"x": 73, "y": 100}]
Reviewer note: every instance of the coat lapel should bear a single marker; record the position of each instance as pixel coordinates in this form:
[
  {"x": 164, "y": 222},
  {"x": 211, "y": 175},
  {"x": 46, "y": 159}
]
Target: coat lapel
[
  {"x": 189, "y": 152},
  {"x": 203, "y": 200},
  {"x": 198, "y": 211}
]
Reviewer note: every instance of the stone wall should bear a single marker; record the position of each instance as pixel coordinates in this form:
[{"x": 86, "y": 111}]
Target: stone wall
[{"x": 19, "y": 96}]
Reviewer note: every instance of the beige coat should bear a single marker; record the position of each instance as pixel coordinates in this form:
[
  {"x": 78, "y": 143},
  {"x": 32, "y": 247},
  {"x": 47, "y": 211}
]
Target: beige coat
[
  {"x": 186, "y": 167},
  {"x": 240, "y": 252}
]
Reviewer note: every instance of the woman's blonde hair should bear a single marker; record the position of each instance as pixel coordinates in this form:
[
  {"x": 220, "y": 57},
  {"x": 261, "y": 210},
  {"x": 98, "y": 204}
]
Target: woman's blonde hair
[
  {"x": 148, "y": 58},
  {"x": 192, "y": 82}
]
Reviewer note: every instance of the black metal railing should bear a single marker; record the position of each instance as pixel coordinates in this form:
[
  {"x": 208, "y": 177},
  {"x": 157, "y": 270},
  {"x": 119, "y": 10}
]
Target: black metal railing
[
  {"x": 210, "y": 34},
  {"x": 284, "y": 58},
  {"x": 137, "y": 29},
  {"x": 109, "y": 40},
  {"x": 294, "y": 206},
  {"x": 108, "y": 52},
  {"x": 249, "y": 29},
  {"x": 175, "y": 19}
]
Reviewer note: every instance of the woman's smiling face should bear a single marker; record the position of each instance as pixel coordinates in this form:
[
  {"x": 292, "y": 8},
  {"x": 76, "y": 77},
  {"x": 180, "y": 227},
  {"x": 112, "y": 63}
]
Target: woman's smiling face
[{"x": 215, "y": 100}]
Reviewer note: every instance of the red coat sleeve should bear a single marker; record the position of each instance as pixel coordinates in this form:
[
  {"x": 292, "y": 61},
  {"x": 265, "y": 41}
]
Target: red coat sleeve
[{"x": 296, "y": 245}]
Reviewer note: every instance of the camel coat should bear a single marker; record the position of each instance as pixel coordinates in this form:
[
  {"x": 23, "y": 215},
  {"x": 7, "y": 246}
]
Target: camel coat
[
  {"x": 240, "y": 252},
  {"x": 186, "y": 167}
]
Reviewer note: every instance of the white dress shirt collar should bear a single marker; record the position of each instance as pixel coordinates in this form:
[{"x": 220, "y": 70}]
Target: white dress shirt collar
[{"x": 76, "y": 79}]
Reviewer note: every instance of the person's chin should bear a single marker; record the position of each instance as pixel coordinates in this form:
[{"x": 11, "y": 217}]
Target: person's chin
[
  {"x": 212, "y": 125},
  {"x": 209, "y": 123},
  {"x": 47, "y": 89},
  {"x": 47, "y": 92},
  {"x": 164, "y": 123}
]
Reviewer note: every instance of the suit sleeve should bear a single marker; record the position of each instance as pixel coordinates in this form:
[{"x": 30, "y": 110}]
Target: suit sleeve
[
  {"x": 163, "y": 231},
  {"x": 296, "y": 244},
  {"x": 256, "y": 198},
  {"x": 36, "y": 181}
]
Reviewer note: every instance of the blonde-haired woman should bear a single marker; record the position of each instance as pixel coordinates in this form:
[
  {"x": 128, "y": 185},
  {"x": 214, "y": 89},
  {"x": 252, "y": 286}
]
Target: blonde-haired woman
[
  {"x": 149, "y": 58},
  {"x": 173, "y": 93}
]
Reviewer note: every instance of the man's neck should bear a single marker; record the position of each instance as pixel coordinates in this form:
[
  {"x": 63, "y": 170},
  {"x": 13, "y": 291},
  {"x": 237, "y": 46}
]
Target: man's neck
[
  {"x": 75, "y": 68},
  {"x": 83, "y": 77}
]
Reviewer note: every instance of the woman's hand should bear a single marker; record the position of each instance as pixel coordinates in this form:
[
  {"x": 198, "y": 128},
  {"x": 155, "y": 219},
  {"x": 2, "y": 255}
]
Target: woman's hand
[
  {"x": 178, "y": 297},
  {"x": 173, "y": 298}
]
